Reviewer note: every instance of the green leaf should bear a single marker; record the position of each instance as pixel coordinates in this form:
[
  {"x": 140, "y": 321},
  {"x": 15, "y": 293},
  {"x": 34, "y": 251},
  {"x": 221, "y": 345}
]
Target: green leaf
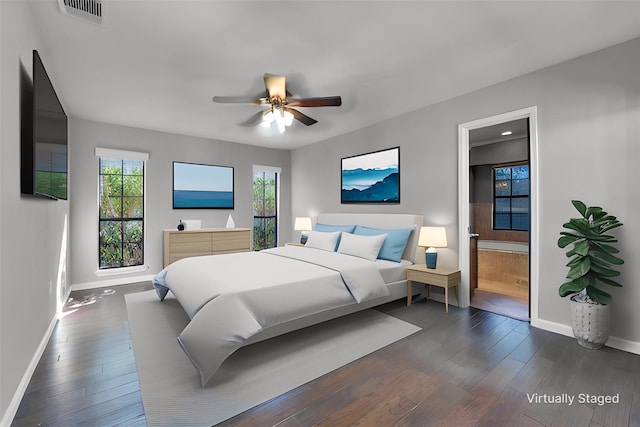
[
  {"x": 611, "y": 226},
  {"x": 569, "y": 288},
  {"x": 598, "y": 263},
  {"x": 580, "y": 269},
  {"x": 611, "y": 259},
  {"x": 601, "y": 271},
  {"x": 575, "y": 261},
  {"x": 593, "y": 211},
  {"x": 582, "y": 248},
  {"x": 579, "y": 224},
  {"x": 597, "y": 238},
  {"x": 566, "y": 240},
  {"x": 581, "y": 207},
  {"x": 608, "y": 248},
  {"x": 609, "y": 282},
  {"x": 599, "y": 296}
]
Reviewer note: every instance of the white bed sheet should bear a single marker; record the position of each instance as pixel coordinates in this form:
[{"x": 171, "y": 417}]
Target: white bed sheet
[
  {"x": 232, "y": 297},
  {"x": 391, "y": 271}
]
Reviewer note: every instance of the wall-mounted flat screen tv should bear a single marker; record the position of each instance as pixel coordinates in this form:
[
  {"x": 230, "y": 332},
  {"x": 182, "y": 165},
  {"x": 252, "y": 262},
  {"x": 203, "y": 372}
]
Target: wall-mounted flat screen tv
[
  {"x": 44, "y": 143},
  {"x": 197, "y": 186}
]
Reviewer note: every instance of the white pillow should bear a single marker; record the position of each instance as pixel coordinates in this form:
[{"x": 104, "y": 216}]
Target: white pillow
[
  {"x": 323, "y": 240},
  {"x": 366, "y": 247}
]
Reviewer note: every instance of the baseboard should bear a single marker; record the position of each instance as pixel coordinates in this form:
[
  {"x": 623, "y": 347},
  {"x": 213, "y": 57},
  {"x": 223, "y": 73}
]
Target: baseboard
[
  {"x": 111, "y": 282},
  {"x": 12, "y": 409},
  {"x": 613, "y": 342},
  {"x": 624, "y": 345}
]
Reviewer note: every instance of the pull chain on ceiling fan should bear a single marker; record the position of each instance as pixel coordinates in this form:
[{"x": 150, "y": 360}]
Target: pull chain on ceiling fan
[{"x": 279, "y": 103}]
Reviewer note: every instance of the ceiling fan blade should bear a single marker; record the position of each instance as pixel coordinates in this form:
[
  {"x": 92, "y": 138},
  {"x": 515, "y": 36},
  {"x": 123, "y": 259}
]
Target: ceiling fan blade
[
  {"x": 303, "y": 118},
  {"x": 238, "y": 100},
  {"x": 328, "y": 101},
  {"x": 254, "y": 120},
  {"x": 276, "y": 86}
]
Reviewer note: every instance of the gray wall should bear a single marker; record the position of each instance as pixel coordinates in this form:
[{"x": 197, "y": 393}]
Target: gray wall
[
  {"x": 163, "y": 149},
  {"x": 499, "y": 152},
  {"x": 589, "y": 132},
  {"x": 33, "y": 251}
]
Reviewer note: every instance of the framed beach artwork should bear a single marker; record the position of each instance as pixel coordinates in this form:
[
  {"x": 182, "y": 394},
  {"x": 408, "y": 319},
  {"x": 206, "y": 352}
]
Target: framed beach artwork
[
  {"x": 197, "y": 186},
  {"x": 371, "y": 177}
]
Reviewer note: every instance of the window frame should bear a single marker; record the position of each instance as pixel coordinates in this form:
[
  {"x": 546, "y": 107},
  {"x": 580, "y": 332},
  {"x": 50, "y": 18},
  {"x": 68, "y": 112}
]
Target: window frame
[
  {"x": 277, "y": 171},
  {"x": 263, "y": 199},
  {"x": 123, "y": 156},
  {"x": 511, "y": 197}
]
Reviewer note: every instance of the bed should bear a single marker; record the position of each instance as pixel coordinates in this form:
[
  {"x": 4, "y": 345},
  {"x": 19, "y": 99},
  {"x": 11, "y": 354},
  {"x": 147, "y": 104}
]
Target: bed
[{"x": 233, "y": 300}]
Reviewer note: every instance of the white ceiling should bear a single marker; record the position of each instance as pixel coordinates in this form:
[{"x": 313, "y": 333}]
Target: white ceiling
[
  {"x": 493, "y": 134},
  {"x": 157, "y": 64}
]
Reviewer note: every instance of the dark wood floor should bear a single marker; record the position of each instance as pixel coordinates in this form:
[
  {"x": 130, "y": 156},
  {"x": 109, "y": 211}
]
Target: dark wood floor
[{"x": 467, "y": 368}]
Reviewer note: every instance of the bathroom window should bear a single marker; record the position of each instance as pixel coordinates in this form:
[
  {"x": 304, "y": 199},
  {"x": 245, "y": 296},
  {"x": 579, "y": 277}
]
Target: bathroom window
[{"x": 511, "y": 197}]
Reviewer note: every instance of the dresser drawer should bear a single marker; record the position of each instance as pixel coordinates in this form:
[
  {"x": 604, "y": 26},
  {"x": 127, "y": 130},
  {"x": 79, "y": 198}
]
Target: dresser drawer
[{"x": 188, "y": 243}]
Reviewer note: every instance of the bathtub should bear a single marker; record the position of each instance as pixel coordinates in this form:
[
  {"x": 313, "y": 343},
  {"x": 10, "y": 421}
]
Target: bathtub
[
  {"x": 520, "y": 247},
  {"x": 503, "y": 267}
]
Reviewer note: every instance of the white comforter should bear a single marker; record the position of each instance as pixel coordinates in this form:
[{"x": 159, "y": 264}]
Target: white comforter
[{"x": 229, "y": 298}]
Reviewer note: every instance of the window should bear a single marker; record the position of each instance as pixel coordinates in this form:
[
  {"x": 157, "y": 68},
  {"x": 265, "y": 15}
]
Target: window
[
  {"x": 265, "y": 208},
  {"x": 121, "y": 212},
  {"x": 511, "y": 197}
]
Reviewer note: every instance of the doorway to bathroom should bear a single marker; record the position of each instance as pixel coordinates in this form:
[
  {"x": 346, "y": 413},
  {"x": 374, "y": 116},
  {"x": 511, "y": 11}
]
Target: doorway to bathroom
[
  {"x": 499, "y": 220},
  {"x": 498, "y": 214}
]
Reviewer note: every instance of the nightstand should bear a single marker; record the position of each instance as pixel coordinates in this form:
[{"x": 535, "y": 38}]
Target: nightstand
[{"x": 441, "y": 276}]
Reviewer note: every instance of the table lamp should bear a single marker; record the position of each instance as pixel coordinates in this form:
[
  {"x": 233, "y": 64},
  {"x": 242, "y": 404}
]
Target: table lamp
[
  {"x": 432, "y": 238},
  {"x": 303, "y": 224}
]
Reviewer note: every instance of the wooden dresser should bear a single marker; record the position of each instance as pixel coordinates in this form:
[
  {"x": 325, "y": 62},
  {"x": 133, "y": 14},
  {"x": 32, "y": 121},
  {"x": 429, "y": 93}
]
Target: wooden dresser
[{"x": 206, "y": 241}]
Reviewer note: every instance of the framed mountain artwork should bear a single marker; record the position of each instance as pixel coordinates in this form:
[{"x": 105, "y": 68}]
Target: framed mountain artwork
[{"x": 371, "y": 177}]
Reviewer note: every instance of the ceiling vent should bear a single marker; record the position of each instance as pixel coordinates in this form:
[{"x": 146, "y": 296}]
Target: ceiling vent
[{"x": 88, "y": 10}]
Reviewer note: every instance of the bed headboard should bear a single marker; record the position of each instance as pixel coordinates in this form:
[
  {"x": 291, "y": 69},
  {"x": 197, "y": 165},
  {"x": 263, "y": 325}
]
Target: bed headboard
[{"x": 380, "y": 221}]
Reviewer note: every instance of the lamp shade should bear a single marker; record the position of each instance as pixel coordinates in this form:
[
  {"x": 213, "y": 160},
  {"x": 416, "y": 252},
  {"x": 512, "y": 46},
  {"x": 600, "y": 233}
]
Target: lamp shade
[
  {"x": 433, "y": 237},
  {"x": 303, "y": 223}
]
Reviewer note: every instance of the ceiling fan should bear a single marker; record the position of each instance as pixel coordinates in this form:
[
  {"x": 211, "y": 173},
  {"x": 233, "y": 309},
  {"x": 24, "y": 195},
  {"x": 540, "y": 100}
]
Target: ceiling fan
[{"x": 279, "y": 103}]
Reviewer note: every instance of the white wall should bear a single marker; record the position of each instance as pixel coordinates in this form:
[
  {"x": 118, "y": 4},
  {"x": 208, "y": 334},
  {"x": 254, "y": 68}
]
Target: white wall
[
  {"x": 163, "y": 149},
  {"x": 33, "y": 262},
  {"x": 589, "y": 146}
]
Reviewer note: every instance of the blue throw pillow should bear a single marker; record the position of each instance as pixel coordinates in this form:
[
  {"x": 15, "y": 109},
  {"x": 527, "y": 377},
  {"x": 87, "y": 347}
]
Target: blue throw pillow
[
  {"x": 393, "y": 246},
  {"x": 330, "y": 228}
]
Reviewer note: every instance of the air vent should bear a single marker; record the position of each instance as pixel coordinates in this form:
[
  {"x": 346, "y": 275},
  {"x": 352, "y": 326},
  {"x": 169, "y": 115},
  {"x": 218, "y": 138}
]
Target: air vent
[{"x": 89, "y": 10}]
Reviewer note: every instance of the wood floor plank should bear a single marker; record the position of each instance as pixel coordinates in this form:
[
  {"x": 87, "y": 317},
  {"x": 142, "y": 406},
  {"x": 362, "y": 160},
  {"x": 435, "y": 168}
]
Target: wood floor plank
[
  {"x": 482, "y": 396},
  {"x": 506, "y": 410},
  {"x": 412, "y": 387},
  {"x": 334, "y": 402},
  {"x": 434, "y": 409}
]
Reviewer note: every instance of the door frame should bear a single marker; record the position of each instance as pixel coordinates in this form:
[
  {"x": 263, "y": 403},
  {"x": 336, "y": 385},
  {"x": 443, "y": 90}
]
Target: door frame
[{"x": 463, "y": 201}]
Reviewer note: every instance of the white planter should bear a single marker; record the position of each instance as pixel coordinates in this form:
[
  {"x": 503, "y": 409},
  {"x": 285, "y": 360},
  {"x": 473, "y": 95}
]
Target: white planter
[{"x": 590, "y": 323}]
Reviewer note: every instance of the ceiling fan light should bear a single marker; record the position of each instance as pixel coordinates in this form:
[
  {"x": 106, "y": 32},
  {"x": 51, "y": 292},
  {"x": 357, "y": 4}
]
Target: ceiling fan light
[
  {"x": 280, "y": 120},
  {"x": 288, "y": 118},
  {"x": 267, "y": 119}
]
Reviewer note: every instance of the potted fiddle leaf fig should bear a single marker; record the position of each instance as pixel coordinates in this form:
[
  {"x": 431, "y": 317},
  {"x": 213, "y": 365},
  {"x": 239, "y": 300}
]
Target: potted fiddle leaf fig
[{"x": 591, "y": 267}]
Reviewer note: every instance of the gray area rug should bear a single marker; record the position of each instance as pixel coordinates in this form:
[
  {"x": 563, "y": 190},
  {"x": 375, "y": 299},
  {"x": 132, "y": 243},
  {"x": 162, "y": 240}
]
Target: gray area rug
[{"x": 170, "y": 385}]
